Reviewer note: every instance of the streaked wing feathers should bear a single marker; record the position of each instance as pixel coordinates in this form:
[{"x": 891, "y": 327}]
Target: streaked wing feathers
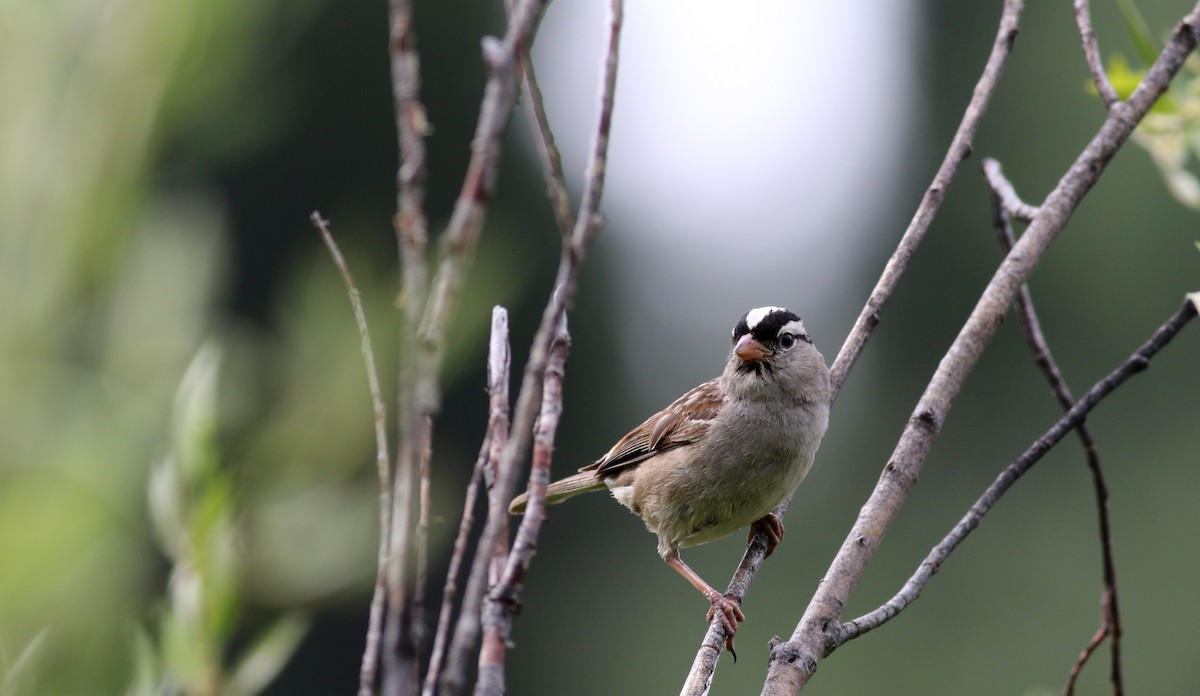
[{"x": 681, "y": 423}]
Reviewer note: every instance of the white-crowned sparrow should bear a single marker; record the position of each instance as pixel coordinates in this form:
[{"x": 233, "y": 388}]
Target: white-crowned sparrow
[{"x": 723, "y": 455}]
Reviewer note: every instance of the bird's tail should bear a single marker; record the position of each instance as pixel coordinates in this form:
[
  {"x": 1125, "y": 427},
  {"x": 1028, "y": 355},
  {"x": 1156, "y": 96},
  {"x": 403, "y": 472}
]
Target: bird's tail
[{"x": 559, "y": 491}]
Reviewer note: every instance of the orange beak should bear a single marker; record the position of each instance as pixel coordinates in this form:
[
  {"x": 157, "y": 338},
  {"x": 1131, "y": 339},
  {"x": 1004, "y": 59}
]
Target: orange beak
[{"x": 748, "y": 349}]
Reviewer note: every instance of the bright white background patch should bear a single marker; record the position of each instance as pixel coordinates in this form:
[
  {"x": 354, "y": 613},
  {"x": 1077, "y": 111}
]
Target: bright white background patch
[{"x": 753, "y": 147}]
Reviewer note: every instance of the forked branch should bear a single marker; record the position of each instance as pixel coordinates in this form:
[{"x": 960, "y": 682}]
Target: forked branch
[{"x": 820, "y": 631}]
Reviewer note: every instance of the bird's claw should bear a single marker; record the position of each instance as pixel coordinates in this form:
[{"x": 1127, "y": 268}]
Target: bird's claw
[
  {"x": 772, "y": 527},
  {"x": 727, "y": 610}
]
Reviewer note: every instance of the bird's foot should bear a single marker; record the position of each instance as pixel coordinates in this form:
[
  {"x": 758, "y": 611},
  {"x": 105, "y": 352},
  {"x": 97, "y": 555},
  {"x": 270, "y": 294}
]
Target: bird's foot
[
  {"x": 772, "y": 527},
  {"x": 727, "y": 610}
]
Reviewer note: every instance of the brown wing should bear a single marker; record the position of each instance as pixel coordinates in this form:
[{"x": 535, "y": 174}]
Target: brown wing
[{"x": 681, "y": 423}]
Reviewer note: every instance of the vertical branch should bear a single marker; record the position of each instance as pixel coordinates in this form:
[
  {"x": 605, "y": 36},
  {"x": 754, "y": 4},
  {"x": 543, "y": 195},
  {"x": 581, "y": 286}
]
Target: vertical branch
[
  {"x": 498, "y": 369},
  {"x": 528, "y": 400},
  {"x": 1031, "y": 328},
  {"x": 402, "y": 621},
  {"x": 504, "y": 599},
  {"x": 382, "y": 458}
]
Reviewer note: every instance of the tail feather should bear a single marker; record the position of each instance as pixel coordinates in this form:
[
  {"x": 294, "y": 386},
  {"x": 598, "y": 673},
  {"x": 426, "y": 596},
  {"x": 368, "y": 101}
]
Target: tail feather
[{"x": 559, "y": 491}]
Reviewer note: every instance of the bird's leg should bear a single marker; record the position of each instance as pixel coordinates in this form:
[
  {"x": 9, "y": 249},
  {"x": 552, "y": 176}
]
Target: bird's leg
[
  {"x": 770, "y": 525},
  {"x": 726, "y": 608}
]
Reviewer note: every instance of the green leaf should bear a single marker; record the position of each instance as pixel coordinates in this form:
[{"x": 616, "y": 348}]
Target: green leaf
[
  {"x": 1144, "y": 43},
  {"x": 146, "y": 667},
  {"x": 22, "y": 666},
  {"x": 1125, "y": 80},
  {"x": 195, "y": 414},
  {"x": 266, "y": 658}
]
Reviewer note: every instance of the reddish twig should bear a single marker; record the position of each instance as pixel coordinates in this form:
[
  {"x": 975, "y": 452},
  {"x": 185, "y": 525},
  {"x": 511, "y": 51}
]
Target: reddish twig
[
  {"x": 552, "y": 166},
  {"x": 1004, "y": 196},
  {"x": 1071, "y": 420},
  {"x": 1091, "y": 53}
]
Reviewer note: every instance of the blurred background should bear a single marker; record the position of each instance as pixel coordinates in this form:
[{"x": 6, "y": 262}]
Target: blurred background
[{"x": 187, "y": 487}]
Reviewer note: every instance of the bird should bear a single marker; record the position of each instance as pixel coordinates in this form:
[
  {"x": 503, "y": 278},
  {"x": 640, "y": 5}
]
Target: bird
[{"x": 725, "y": 454}]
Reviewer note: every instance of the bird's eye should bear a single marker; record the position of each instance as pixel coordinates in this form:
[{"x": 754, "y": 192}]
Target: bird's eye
[{"x": 787, "y": 340}]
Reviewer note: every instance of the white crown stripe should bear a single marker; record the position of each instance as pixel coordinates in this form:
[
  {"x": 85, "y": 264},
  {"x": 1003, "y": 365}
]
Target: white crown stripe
[{"x": 754, "y": 316}]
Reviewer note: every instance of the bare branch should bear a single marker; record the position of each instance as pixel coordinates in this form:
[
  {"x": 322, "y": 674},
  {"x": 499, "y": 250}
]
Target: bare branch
[
  {"x": 382, "y": 457},
  {"x": 498, "y": 369},
  {"x": 552, "y": 166},
  {"x": 573, "y": 254},
  {"x": 504, "y": 598},
  {"x": 931, "y": 202},
  {"x": 1085, "y": 655},
  {"x": 1136, "y": 362},
  {"x": 403, "y": 622},
  {"x": 1011, "y": 203},
  {"x": 1003, "y": 199},
  {"x": 819, "y": 632},
  {"x": 462, "y": 234},
  {"x": 1091, "y": 52},
  {"x": 454, "y": 678},
  {"x": 700, "y": 675}
]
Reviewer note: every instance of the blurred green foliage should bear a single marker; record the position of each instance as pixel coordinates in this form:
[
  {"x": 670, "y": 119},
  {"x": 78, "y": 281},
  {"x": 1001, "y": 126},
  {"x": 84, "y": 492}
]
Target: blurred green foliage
[
  {"x": 193, "y": 509},
  {"x": 1170, "y": 133}
]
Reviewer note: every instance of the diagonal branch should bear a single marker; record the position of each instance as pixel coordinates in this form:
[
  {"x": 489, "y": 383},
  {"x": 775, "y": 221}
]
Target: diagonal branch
[
  {"x": 931, "y": 202},
  {"x": 705, "y": 662},
  {"x": 552, "y": 166},
  {"x": 819, "y": 631},
  {"x": 1136, "y": 362},
  {"x": 1091, "y": 52},
  {"x": 1002, "y": 190}
]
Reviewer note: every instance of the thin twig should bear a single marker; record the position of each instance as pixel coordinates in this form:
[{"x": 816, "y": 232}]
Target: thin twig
[
  {"x": 504, "y": 599},
  {"x": 1003, "y": 196},
  {"x": 931, "y": 202},
  {"x": 479, "y": 185},
  {"x": 1091, "y": 52},
  {"x": 574, "y": 252},
  {"x": 1003, "y": 189},
  {"x": 552, "y": 166},
  {"x": 498, "y": 370},
  {"x": 382, "y": 456},
  {"x": 1085, "y": 655},
  {"x": 453, "y": 678},
  {"x": 1136, "y": 362},
  {"x": 704, "y": 664},
  {"x": 819, "y": 631}
]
